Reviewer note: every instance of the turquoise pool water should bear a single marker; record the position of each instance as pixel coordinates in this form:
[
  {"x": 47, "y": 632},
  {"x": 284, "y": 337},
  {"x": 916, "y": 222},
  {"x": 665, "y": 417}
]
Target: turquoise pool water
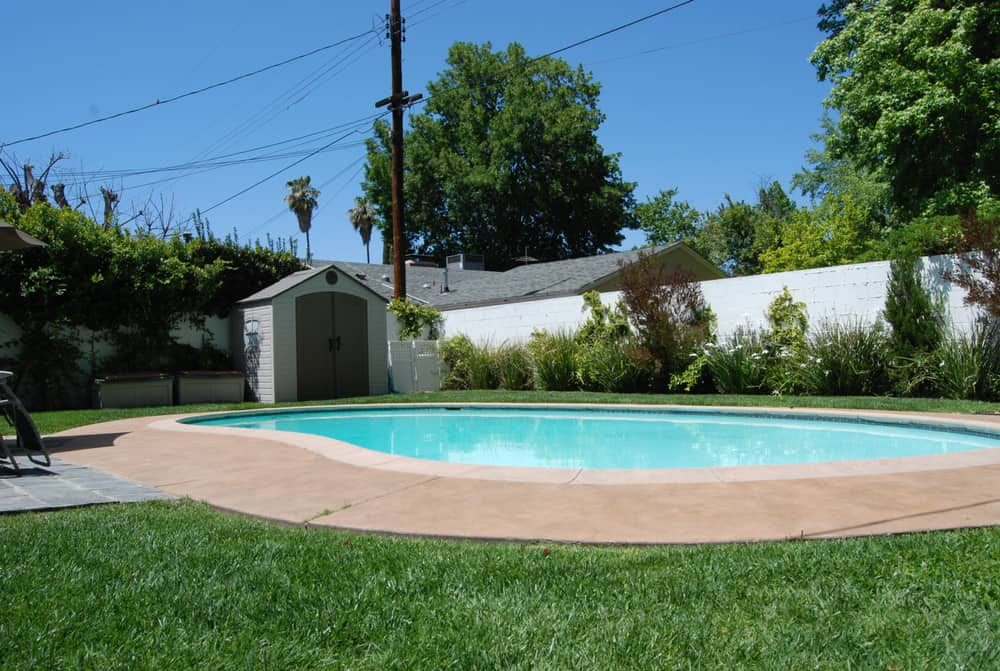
[{"x": 598, "y": 438}]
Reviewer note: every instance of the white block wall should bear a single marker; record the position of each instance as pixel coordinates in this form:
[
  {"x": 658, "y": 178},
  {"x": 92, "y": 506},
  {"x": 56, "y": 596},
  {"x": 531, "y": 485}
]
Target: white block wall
[{"x": 840, "y": 293}]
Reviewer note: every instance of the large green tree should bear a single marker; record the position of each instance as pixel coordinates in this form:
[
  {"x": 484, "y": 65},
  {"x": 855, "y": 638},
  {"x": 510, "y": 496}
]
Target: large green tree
[
  {"x": 916, "y": 84},
  {"x": 504, "y": 159},
  {"x": 665, "y": 219}
]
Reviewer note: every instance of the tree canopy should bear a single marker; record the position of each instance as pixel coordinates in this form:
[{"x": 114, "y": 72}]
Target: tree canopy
[
  {"x": 504, "y": 159},
  {"x": 917, "y": 86}
]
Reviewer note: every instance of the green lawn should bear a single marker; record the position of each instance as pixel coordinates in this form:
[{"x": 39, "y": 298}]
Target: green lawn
[
  {"x": 51, "y": 422},
  {"x": 177, "y": 586}
]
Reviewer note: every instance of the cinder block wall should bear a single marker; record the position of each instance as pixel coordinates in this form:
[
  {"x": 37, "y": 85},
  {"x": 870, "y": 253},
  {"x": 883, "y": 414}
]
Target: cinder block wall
[{"x": 839, "y": 293}]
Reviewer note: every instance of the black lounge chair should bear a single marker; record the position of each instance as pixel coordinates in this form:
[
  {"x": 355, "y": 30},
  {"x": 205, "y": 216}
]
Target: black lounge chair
[{"x": 29, "y": 441}]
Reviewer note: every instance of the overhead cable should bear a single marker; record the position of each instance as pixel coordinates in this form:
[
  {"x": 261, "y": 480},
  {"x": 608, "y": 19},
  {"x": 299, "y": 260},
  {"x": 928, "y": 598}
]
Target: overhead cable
[{"x": 158, "y": 102}]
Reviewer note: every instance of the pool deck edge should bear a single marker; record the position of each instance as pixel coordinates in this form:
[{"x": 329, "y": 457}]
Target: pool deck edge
[{"x": 284, "y": 478}]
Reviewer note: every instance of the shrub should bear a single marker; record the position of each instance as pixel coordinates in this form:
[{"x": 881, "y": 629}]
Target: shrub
[
  {"x": 414, "y": 319},
  {"x": 554, "y": 356},
  {"x": 847, "y": 360},
  {"x": 513, "y": 365},
  {"x": 968, "y": 365},
  {"x": 786, "y": 342},
  {"x": 916, "y": 320},
  {"x": 106, "y": 283},
  {"x": 739, "y": 364},
  {"x": 669, "y": 316},
  {"x": 604, "y": 365},
  {"x": 603, "y": 344},
  {"x": 980, "y": 274},
  {"x": 917, "y": 325},
  {"x": 469, "y": 366}
]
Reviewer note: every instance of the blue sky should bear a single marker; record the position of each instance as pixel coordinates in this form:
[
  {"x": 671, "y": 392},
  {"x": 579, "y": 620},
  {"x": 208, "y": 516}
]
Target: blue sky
[{"x": 723, "y": 99}]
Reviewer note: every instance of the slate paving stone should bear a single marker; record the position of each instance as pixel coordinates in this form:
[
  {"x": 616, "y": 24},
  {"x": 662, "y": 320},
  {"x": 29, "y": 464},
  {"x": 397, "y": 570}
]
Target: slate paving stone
[{"x": 63, "y": 485}]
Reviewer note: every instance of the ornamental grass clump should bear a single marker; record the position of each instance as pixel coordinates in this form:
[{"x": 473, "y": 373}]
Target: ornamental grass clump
[
  {"x": 554, "y": 356},
  {"x": 468, "y": 365},
  {"x": 847, "y": 360},
  {"x": 512, "y": 362},
  {"x": 967, "y": 365},
  {"x": 739, "y": 364}
]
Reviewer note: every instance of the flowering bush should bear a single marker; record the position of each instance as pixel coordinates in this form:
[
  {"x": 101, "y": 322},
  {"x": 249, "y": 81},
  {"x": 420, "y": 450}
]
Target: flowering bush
[
  {"x": 740, "y": 363},
  {"x": 847, "y": 360}
]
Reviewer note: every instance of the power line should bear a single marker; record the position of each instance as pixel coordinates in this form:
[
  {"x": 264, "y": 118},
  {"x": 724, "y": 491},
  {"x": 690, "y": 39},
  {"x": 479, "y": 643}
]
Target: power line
[
  {"x": 616, "y": 29},
  {"x": 578, "y": 43},
  {"x": 219, "y": 159},
  {"x": 274, "y": 108},
  {"x": 284, "y": 210},
  {"x": 435, "y": 14},
  {"x": 702, "y": 40},
  {"x": 208, "y": 167},
  {"x": 181, "y": 96},
  {"x": 275, "y": 173}
]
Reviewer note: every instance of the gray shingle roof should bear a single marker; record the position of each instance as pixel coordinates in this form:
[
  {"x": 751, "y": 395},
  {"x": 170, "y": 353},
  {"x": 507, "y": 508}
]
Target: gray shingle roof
[
  {"x": 282, "y": 285},
  {"x": 476, "y": 287},
  {"x": 479, "y": 287}
]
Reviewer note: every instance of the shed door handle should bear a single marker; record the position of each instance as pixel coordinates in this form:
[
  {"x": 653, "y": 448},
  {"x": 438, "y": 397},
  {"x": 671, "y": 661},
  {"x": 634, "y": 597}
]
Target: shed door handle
[{"x": 338, "y": 343}]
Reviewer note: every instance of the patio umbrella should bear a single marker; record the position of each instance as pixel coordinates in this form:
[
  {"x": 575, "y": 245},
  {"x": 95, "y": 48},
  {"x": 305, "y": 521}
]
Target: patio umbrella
[{"x": 11, "y": 238}]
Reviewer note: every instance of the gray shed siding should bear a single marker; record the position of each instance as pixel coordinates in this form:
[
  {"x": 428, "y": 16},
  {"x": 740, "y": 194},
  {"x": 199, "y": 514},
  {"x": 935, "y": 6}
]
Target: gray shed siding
[
  {"x": 261, "y": 380},
  {"x": 284, "y": 359}
]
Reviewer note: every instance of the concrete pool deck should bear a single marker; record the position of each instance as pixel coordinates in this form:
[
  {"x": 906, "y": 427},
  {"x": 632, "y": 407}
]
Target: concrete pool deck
[{"x": 316, "y": 481}]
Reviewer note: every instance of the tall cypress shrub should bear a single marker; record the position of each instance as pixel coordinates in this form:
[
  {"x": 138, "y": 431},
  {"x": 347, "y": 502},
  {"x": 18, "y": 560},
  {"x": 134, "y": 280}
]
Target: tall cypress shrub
[{"x": 917, "y": 320}]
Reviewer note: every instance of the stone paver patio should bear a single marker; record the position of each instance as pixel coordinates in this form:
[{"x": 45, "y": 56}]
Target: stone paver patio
[
  {"x": 319, "y": 482},
  {"x": 64, "y": 484}
]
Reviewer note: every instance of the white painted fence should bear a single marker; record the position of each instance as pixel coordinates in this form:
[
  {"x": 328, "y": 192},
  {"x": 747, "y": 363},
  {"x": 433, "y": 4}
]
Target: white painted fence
[
  {"x": 414, "y": 365},
  {"x": 839, "y": 293}
]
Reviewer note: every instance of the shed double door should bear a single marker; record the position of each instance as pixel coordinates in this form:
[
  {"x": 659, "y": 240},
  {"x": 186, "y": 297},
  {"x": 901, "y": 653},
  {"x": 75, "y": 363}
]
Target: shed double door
[{"x": 331, "y": 333}]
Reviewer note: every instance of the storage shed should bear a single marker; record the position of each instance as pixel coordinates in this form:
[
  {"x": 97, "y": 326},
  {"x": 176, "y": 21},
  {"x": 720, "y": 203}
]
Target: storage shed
[{"x": 316, "y": 334}]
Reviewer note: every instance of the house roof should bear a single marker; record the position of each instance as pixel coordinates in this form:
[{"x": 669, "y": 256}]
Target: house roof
[
  {"x": 538, "y": 280},
  {"x": 483, "y": 287}
]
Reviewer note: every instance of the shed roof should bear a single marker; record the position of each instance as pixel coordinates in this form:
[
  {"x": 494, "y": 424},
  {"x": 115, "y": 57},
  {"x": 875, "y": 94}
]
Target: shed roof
[{"x": 297, "y": 278}]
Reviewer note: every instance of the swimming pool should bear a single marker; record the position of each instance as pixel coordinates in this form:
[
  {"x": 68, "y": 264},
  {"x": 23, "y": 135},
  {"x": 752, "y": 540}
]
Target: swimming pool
[{"x": 611, "y": 438}]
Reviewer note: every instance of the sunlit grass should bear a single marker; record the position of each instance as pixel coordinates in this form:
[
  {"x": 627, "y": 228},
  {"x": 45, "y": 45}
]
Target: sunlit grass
[{"x": 171, "y": 585}]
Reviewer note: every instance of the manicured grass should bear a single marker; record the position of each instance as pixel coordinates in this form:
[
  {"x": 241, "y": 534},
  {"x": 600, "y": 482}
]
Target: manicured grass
[
  {"x": 51, "y": 422},
  {"x": 171, "y": 585}
]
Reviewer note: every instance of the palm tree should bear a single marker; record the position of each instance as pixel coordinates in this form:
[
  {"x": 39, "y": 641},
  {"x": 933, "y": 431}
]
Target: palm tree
[
  {"x": 362, "y": 217},
  {"x": 301, "y": 200}
]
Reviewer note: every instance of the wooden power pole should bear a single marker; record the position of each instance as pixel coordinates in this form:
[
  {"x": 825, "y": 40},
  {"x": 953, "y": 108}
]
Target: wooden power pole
[{"x": 397, "y": 102}]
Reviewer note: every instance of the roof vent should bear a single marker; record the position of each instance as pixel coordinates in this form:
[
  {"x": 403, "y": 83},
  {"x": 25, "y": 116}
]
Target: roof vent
[
  {"x": 421, "y": 261},
  {"x": 466, "y": 262}
]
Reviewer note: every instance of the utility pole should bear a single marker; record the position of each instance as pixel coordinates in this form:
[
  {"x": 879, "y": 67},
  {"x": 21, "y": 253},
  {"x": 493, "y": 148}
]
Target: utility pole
[{"x": 397, "y": 102}]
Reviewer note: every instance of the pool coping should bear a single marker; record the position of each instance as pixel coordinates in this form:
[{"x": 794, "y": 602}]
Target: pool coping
[{"x": 353, "y": 455}]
